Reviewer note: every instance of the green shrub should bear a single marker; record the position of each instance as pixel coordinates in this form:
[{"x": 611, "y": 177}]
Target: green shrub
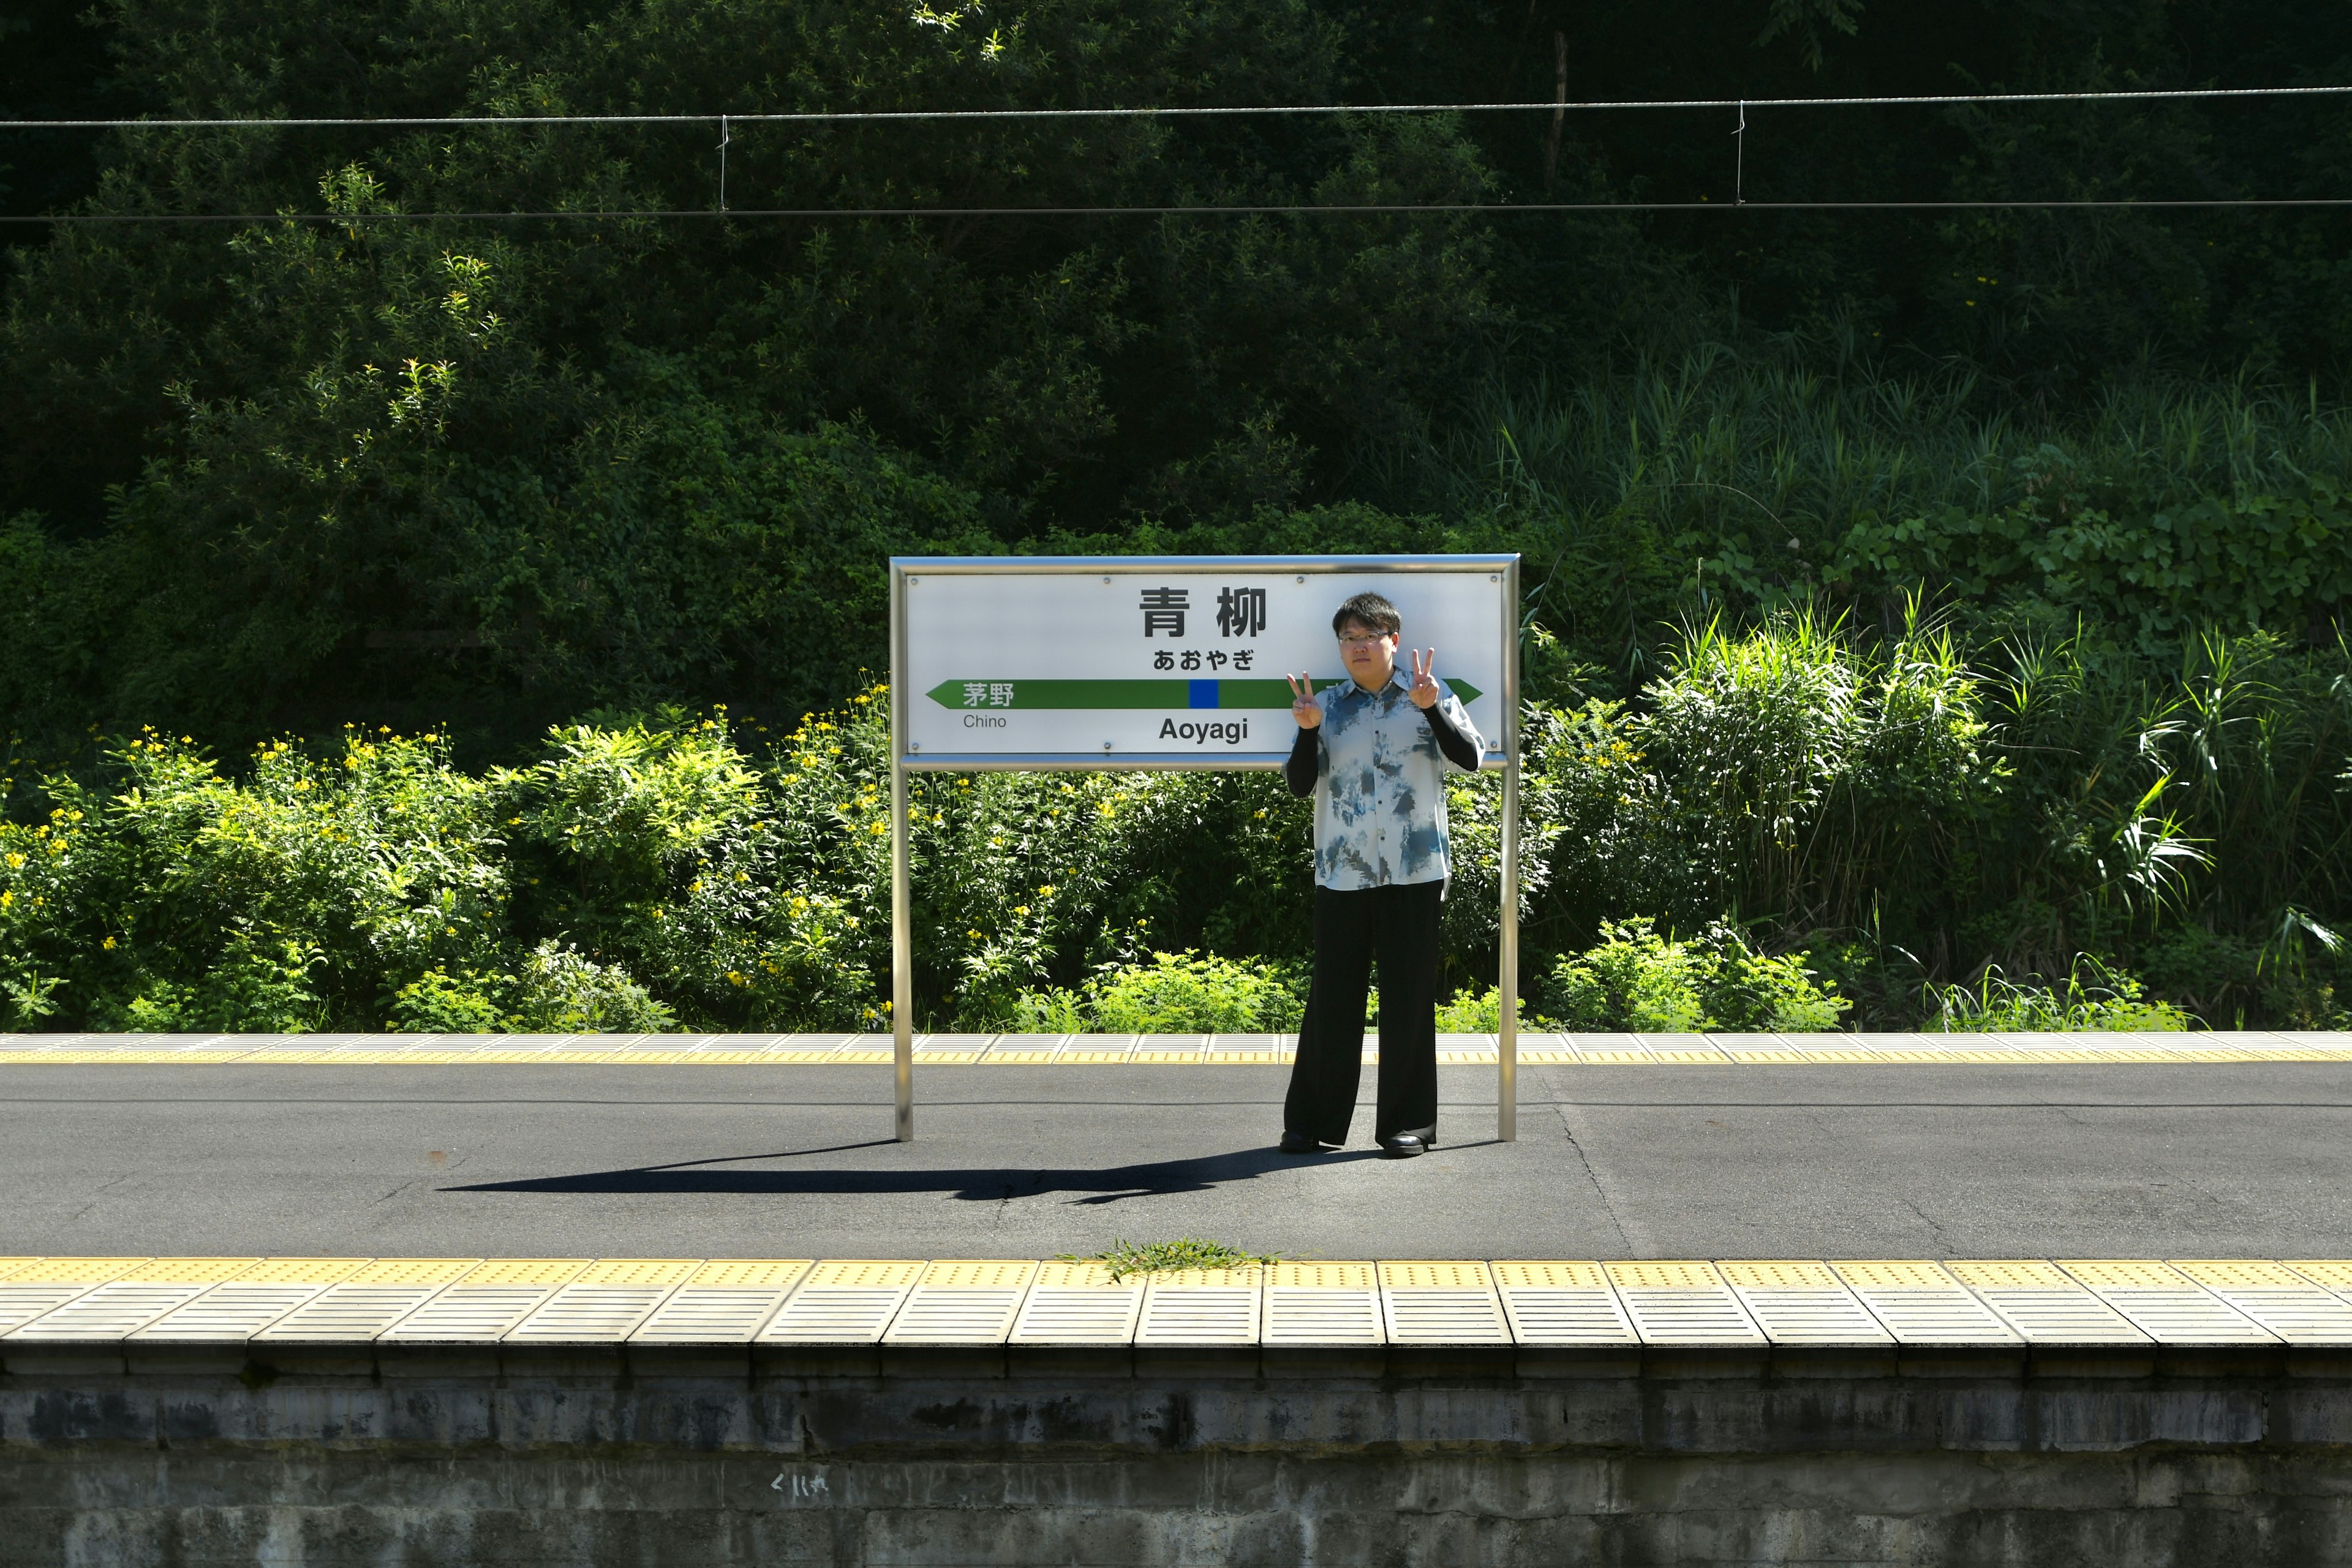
[
  {"x": 2094, "y": 997},
  {"x": 264, "y": 987},
  {"x": 439, "y": 1003},
  {"x": 1183, "y": 992},
  {"x": 1191, "y": 993},
  {"x": 1636, "y": 980},
  {"x": 554, "y": 991},
  {"x": 1470, "y": 1012}
]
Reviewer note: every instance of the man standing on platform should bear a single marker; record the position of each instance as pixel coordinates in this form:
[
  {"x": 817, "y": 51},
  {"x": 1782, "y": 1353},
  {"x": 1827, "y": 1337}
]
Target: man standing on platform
[{"x": 1373, "y": 750}]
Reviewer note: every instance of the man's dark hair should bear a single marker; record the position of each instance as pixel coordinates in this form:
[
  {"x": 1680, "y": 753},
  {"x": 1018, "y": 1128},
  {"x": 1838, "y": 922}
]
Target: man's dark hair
[{"x": 1370, "y": 612}]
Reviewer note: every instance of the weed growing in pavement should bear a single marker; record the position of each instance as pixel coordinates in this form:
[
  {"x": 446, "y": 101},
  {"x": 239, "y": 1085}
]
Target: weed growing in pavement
[{"x": 1125, "y": 1257}]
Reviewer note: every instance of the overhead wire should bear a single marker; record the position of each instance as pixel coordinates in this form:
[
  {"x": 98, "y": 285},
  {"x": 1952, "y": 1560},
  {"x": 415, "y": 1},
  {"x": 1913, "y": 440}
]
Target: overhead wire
[
  {"x": 817, "y": 116},
  {"x": 726, "y": 120},
  {"x": 616, "y": 215}
]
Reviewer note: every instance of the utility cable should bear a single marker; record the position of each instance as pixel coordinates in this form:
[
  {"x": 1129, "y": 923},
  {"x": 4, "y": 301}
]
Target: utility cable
[
  {"x": 612, "y": 214},
  {"x": 846, "y": 116}
]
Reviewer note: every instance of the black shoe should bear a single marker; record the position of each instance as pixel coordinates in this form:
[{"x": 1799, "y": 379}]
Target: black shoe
[
  {"x": 1299, "y": 1144},
  {"x": 1401, "y": 1146}
]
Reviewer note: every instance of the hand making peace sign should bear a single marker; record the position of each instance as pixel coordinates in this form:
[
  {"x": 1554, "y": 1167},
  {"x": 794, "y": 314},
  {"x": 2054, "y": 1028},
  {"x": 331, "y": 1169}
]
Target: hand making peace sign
[
  {"x": 1303, "y": 706},
  {"x": 1425, "y": 691}
]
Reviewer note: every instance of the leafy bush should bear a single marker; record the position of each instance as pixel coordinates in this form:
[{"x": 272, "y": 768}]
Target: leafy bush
[
  {"x": 253, "y": 987},
  {"x": 1639, "y": 981},
  {"x": 2093, "y": 997},
  {"x": 1789, "y": 766},
  {"x": 1173, "y": 994},
  {"x": 1472, "y": 1012},
  {"x": 1903, "y": 815},
  {"x": 555, "y": 991}
]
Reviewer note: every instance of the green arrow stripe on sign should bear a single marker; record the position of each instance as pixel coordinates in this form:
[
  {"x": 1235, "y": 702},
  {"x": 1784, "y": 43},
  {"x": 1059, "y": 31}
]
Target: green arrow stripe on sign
[{"x": 1101, "y": 695}]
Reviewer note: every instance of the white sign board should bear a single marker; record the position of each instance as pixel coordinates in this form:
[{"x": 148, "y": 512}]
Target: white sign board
[{"x": 1131, "y": 662}]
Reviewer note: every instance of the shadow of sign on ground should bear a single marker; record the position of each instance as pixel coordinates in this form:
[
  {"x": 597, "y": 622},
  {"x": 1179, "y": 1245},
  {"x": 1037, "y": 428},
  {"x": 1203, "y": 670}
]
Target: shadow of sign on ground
[{"x": 1156, "y": 1178}]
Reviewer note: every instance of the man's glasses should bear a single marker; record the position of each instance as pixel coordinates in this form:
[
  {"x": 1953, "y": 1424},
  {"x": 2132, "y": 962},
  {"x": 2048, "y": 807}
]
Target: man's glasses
[{"x": 1364, "y": 642}]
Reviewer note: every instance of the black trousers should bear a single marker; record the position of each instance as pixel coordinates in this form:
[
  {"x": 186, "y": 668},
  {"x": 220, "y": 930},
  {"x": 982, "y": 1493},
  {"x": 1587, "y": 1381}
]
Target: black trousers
[{"x": 1398, "y": 924}]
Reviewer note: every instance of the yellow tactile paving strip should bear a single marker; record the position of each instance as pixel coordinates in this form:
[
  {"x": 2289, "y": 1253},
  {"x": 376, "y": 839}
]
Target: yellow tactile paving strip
[
  {"x": 963, "y": 1301},
  {"x": 2046, "y": 1304},
  {"x": 1923, "y": 1303},
  {"x": 1329, "y": 1304},
  {"x": 1536, "y": 1049},
  {"x": 2283, "y": 1302},
  {"x": 1563, "y": 1301},
  {"x": 238, "y": 1308},
  {"x": 1800, "y": 1302},
  {"x": 1079, "y": 1304},
  {"x": 2167, "y": 1305},
  {"x": 1682, "y": 1302},
  {"x": 1548, "y": 1304},
  {"x": 847, "y": 1300},
  {"x": 1202, "y": 1307},
  {"x": 1441, "y": 1303}
]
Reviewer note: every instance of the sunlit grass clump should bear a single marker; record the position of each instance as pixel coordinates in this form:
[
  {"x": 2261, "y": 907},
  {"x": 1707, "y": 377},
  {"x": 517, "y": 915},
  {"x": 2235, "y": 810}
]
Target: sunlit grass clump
[{"x": 1126, "y": 1258}]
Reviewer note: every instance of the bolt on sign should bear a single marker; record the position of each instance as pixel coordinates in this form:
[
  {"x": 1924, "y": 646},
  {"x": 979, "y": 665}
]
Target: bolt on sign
[{"x": 1127, "y": 663}]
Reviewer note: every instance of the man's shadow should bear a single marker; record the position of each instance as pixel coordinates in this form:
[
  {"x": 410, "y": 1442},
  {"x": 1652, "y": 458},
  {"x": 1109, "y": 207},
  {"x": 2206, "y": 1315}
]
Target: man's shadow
[{"x": 1156, "y": 1178}]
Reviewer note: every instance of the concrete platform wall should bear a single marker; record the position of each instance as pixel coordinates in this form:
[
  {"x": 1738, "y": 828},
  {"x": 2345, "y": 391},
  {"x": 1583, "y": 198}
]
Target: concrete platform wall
[{"x": 2141, "y": 1456}]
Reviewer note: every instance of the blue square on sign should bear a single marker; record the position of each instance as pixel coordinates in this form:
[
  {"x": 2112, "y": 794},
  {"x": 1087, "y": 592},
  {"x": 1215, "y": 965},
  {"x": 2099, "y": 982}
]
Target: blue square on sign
[{"x": 1204, "y": 693}]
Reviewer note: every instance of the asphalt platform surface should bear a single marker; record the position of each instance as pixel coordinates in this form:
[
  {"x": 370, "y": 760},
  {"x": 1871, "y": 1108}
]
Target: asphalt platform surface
[{"x": 2080, "y": 1161}]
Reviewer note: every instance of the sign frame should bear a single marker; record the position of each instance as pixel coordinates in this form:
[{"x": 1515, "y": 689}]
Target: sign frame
[{"x": 908, "y": 570}]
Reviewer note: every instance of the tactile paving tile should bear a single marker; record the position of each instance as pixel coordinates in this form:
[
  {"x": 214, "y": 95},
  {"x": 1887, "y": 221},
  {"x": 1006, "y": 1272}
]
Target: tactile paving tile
[
  {"x": 118, "y": 1309},
  {"x": 843, "y": 1301},
  {"x": 234, "y": 1312},
  {"x": 1799, "y": 1301},
  {"x": 361, "y": 1307},
  {"x": 2165, "y": 1304},
  {"x": 1079, "y": 1304},
  {"x": 11, "y": 1264},
  {"x": 1025, "y": 1049},
  {"x": 1441, "y": 1303},
  {"x": 1682, "y": 1303},
  {"x": 2276, "y": 1297},
  {"x": 1321, "y": 1304},
  {"x": 726, "y": 1301},
  {"x": 1235, "y": 1048},
  {"x": 2045, "y": 1303},
  {"x": 963, "y": 1301},
  {"x": 1102, "y": 1048},
  {"x": 1170, "y": 1047},
  {"x": 2333, "y": 1275},
  {"x": 52, "y": 1282},
  {"x": 944, "y": 1048},
  {"x": 1921, "y": 1304},
  {"x": 1201, "y": 1307},
  {"x": 1561, "y": 1301},
  {"x": 487, "y": 1302},
  {"x": 605, "y": 1302}
]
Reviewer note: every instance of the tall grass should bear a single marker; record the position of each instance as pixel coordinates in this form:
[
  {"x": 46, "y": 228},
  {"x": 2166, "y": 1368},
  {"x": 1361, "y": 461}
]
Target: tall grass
[
  {"x": 1812, "y": 435},
  {"x": 1675, "y": 486}
]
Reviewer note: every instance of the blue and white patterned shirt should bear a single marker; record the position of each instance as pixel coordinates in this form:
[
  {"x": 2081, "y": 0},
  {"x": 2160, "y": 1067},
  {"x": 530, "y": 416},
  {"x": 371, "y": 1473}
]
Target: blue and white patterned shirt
[{"x": 1379, "y": 784}]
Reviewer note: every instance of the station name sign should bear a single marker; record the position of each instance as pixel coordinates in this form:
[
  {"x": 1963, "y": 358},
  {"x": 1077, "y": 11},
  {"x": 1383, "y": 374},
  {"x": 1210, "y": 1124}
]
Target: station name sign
[{"x": 1137, "y": 661}]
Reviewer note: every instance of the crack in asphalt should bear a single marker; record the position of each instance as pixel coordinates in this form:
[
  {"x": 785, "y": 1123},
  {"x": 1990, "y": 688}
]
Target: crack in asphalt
[
  {"x": 1584, "y": 1162},
  {"x": 1935, "y": 1227},
  {"x": 100, "y": 1193}
]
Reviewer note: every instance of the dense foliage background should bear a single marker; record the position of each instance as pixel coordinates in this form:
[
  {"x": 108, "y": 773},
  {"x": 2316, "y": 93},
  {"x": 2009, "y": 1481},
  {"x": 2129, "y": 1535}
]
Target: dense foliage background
[{"x": 1914, "y": 590}]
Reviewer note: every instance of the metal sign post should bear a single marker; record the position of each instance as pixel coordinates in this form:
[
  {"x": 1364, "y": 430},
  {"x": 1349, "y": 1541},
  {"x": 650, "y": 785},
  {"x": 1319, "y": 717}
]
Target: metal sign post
[{"x": 1125, "y": 664}]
